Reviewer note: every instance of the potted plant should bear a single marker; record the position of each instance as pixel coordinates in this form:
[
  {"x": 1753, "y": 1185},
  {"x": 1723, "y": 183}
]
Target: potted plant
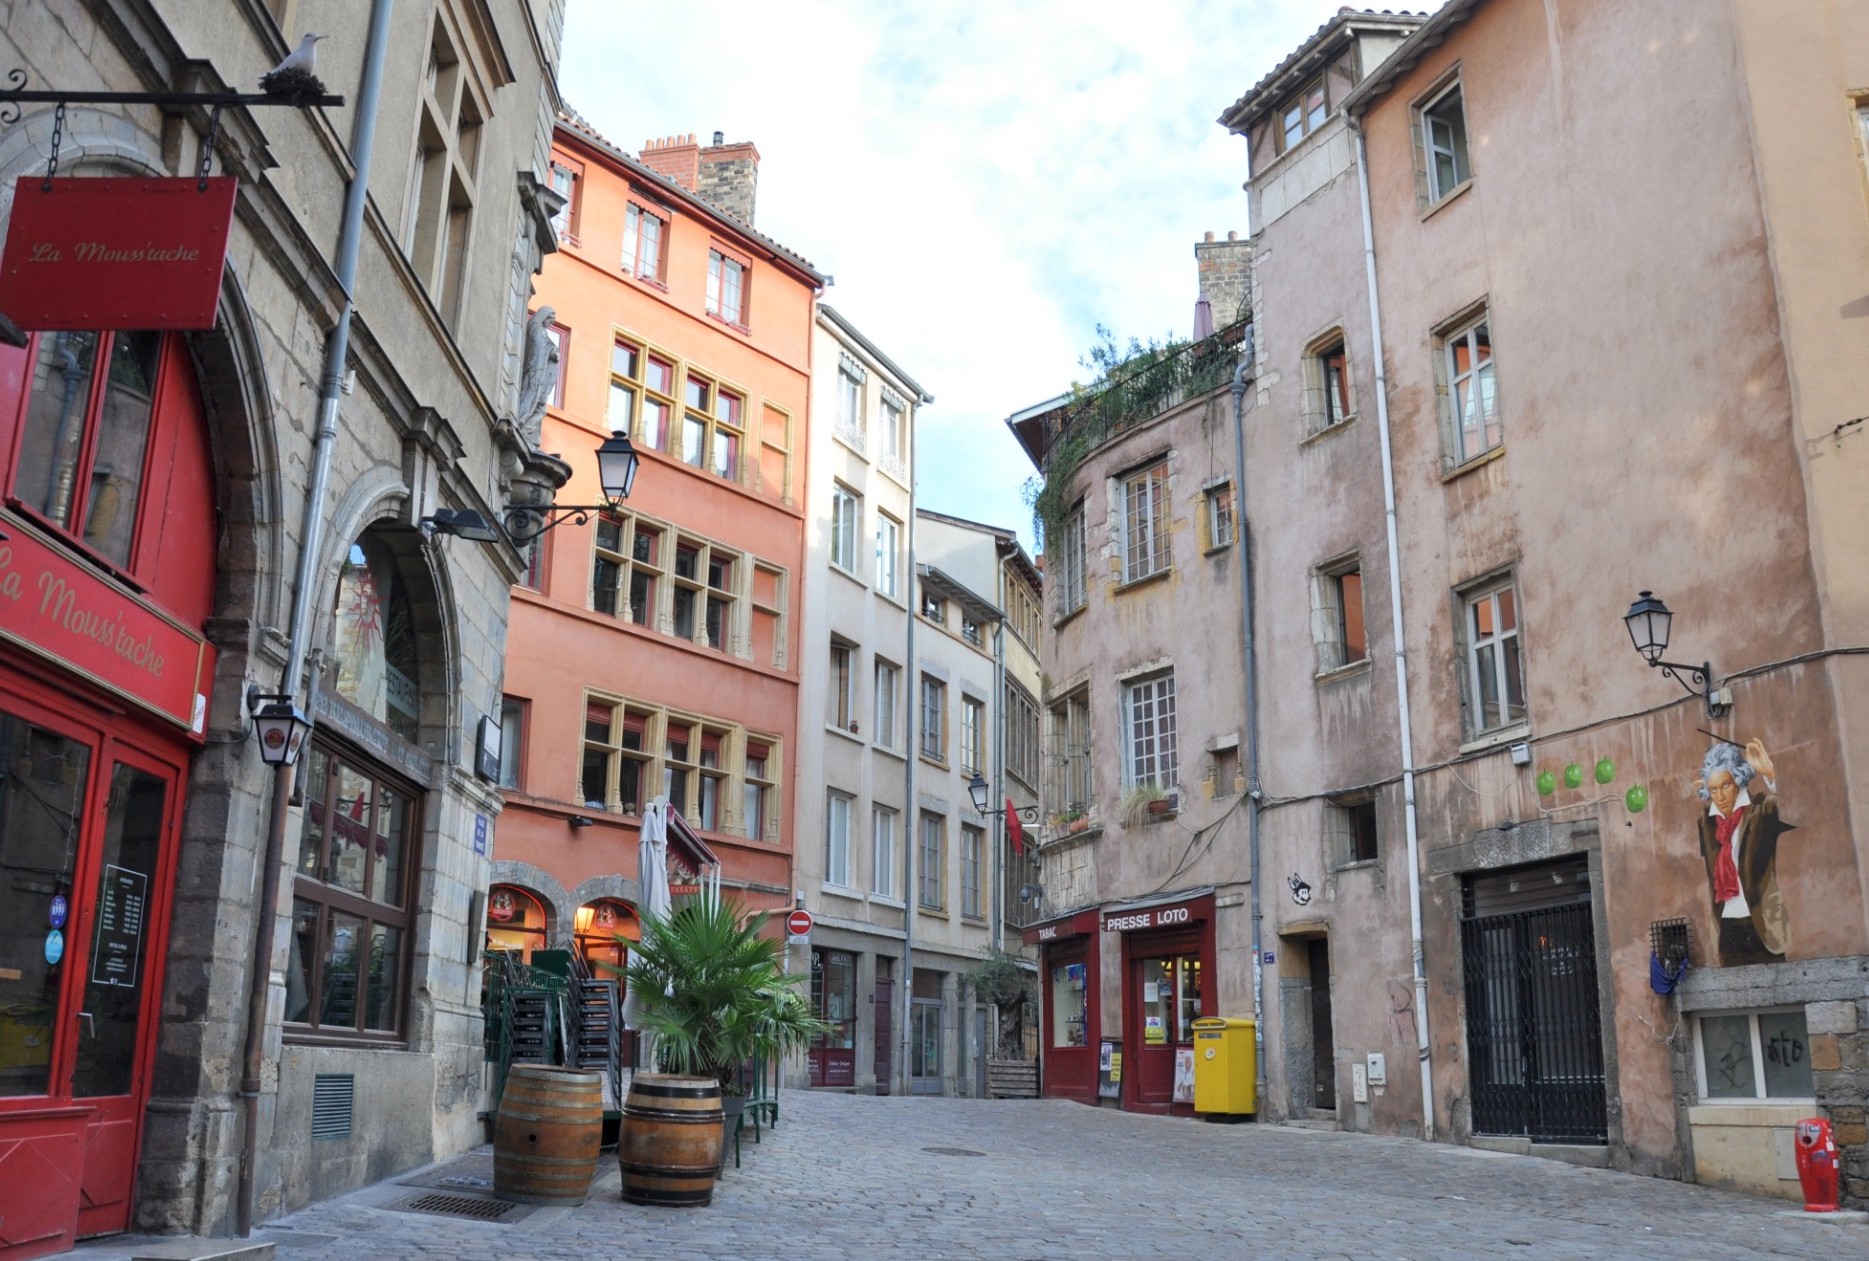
[
  {"x": 1071, "y": 820},
  {"x": 713, "y": 992},
  {"x": 1146, "y": 798}
]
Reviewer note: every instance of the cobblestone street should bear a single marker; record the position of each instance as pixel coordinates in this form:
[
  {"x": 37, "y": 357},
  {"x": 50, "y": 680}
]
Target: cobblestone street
[{"x": 859, "y": 1177}]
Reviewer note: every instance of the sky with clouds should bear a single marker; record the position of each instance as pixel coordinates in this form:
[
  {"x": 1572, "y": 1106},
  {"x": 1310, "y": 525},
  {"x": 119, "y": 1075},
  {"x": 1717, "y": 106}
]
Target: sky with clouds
[{"x": 986, "y": 180}]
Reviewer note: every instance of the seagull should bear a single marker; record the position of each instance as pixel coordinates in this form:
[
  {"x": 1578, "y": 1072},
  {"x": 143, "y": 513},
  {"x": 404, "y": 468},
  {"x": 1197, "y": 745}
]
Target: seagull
[{"x": 297, "y": 74}]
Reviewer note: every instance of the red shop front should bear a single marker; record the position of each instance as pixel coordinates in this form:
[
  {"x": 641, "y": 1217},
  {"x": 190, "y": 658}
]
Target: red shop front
[
  {"x": 1168, "y": 983},
  {"x": 107, "y": 545},
  {"x": 1069, "y": 1019}
]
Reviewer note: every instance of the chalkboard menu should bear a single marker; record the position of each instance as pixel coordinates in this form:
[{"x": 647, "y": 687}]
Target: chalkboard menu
[{"x": 121, "y": 909}]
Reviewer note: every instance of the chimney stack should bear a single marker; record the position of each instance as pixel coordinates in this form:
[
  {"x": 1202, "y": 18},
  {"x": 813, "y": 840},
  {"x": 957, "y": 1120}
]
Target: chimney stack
[
  {"x": 730, "y": 177},
  {"x": 1225, "y": 272},
  {"x": 727, "y": 175}
]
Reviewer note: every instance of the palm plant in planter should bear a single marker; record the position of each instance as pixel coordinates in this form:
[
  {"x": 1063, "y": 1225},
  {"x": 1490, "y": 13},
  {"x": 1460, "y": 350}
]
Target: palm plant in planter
[{"x": 714, "y": 993}]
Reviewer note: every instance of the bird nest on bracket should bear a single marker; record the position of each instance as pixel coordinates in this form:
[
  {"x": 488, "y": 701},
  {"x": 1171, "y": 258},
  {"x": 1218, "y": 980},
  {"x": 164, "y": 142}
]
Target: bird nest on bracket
[{"x": 292, "y": 81}]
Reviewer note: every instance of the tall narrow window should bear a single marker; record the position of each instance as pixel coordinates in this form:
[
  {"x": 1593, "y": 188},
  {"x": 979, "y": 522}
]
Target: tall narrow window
[
  {"x": 895, "y": 433},
  {"x": 888, "y": 553},
  {"x": 1469, "y": 371},
  {"x": 846, "y": 507},
  {"x": 888, "y": 685},
  {"x": 726, "y": 288},
  {"x": 1220, "y": 515},
  {"x": 849, "y": 424},
  {"x": 837, "y": 840},
  {"x": 1149, "y": 732},
  {"x": 644, "y": 236},
  {"x": 602, "y": 745},
  {"x": 567, "y": 181},
  {"x": 1145, "y": 522},
  {"x": 1337, "y": 617},
  {"x": 512, "y": 739},
  {"x": 883, "y": 853},
  {"x": 443, "y": 186},
  {"x": 1495, "y": 681},
  {"x": 758, "y": 790},
  {"x": 931, "y": 863},
  {"x": 1444, "y": 143},
  {"x": 972, "y": 734},
  {"x": 1071, "y": 573},
  {"x": 839, "y": 694},
  {"x": 972, "y": 845},
  {"x": 934, "y": 719}
]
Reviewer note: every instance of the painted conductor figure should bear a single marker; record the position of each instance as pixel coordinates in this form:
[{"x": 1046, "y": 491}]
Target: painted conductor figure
[{"x": 1739, "y": 843}]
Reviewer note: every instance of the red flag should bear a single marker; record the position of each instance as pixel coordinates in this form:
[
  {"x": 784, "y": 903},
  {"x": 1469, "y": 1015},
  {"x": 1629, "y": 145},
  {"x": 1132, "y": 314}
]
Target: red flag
[{"x": 1013, "y": 829}]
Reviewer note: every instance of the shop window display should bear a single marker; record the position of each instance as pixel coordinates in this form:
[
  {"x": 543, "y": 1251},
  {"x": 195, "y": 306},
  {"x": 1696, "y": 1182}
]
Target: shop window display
[{"x": 1070, "y": 1005}]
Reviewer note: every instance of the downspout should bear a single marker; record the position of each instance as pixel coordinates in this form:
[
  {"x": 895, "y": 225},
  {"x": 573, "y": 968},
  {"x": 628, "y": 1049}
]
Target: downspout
[
  {"x": 998, "y": 910},
  {"x": 1253, "y": 793},
  {"x": 1423, "y": 1046},
  {"x": 304, "y": 598},
  {"x": 911, "y": 817}
]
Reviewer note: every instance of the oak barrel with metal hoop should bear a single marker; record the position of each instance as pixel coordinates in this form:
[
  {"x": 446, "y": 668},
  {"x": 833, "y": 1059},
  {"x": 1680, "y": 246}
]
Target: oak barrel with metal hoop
[
  {"x": 670, "y": 1148},
  {"x": 546, "y": 1135}
]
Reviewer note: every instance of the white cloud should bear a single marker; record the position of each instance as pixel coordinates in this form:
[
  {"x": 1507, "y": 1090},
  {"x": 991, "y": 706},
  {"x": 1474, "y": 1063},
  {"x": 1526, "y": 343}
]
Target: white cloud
[{"x": 986, "y": 180}]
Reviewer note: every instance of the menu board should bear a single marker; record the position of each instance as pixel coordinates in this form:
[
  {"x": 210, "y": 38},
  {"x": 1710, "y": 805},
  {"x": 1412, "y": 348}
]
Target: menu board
[{"x": 121, "y": 907}]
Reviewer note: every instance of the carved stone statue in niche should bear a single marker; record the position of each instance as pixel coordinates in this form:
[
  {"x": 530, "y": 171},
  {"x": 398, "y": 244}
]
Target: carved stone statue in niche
[{"x": 539, "y": 375}]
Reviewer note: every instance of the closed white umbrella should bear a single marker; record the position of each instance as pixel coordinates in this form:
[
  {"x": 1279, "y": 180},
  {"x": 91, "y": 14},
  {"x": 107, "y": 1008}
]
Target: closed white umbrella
[{"x": 652, "y": 876}]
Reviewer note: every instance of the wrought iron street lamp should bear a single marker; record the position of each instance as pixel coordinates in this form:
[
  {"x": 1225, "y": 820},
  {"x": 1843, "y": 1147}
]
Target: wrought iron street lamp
[
  {"x": 976, "y": 788},
  {"x": 1649, "y": 622},
  {"x": 617, "y": 463}
]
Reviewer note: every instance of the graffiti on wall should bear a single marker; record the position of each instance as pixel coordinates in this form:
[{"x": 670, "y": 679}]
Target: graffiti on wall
[{"x": 1739, "y": 845}]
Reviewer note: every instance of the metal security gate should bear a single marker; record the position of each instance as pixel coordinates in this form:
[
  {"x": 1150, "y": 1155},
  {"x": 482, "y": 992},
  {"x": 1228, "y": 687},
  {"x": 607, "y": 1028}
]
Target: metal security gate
[{"x": 1534, "y": 1037}]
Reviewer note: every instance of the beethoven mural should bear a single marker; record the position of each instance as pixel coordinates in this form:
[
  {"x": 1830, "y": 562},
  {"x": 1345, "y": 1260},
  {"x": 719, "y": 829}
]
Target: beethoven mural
[{"x": 1739, "y": 843}]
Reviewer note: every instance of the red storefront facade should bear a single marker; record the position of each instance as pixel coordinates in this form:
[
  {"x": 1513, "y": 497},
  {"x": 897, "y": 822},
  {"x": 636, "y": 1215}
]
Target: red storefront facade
[
  {"x": 1162, "y": 954},
  {"x": 106, "y": 581}
]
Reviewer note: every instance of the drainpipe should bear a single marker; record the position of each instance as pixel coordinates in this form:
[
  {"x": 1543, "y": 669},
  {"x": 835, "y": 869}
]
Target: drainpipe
[
  {"x": 999, "y": 784},
  {"x": 1253, "y": 793},
  {"x": 911, "y": 816},
  {"x": 304, "y": 600},
  {"x": 1423, "y": 1047}
]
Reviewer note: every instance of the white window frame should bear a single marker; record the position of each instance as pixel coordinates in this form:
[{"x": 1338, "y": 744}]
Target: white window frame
[
  {"x": 1500, "y": 640},
  {"x": 1455, "y": 149},
  {"x": 888, "y": 703},
  {"x": 1072, "y": 572},
  {"x": 846, "y": 510},
  {"x": 1222, "y": 515},
  {"x": 888, "y": 555},
  {"x": 1477, "y": 386},
  {"x": 837, "y": 838},
  {"x": 647, "y": 265},
  {"x": 972, "y": 734},
  {"x": 883, "y": 852},
  {"x": 932, "y": 737},
  {"x": 849, "y": 421},
  {"x": 1145, "y": 511},
  {"x": 1150, "y": 752},
  {"x": 726, "y": 301},
  {"x": 931, "y": 869},
  {"x": 972, "y": 864},
  {"x": 1758, "y": 1059}
]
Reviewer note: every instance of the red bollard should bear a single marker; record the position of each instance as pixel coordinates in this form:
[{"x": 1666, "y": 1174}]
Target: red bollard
[{"x": 1817, "y": 1165}]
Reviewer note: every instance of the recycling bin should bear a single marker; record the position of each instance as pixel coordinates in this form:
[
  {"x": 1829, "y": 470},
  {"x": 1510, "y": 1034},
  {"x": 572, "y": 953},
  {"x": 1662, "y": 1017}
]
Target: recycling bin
[{"x": 1225, "y": 1066}]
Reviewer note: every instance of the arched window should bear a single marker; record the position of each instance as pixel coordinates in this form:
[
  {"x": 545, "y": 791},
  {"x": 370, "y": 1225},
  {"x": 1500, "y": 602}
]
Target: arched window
[
  {"x": 515, "y": 921},
  {"x": 373, "y": 639},
  {"x": 600, "y": 925}
]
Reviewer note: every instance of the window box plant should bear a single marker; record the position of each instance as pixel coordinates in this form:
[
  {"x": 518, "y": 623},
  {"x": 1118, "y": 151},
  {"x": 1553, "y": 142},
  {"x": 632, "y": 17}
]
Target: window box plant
[{"x": 1144, "y": 799}]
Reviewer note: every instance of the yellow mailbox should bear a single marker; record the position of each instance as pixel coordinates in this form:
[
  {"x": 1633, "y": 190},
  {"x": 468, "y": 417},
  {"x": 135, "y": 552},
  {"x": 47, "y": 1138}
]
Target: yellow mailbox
[{"x": 1225, "y": 1065}]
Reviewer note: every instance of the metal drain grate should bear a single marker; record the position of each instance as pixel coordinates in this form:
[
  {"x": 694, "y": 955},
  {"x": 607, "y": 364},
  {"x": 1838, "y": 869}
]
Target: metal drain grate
[
  {"x": 952, "y": 1151},
  {"x": 472, "y": 1207}
]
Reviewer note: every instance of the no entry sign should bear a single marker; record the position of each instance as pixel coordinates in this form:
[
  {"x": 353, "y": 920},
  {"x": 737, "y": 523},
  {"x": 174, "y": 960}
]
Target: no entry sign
[{"x": 799, "y": 922}]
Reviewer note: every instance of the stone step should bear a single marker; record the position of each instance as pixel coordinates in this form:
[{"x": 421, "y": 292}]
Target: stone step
[{"x": 205, "y": 1250}]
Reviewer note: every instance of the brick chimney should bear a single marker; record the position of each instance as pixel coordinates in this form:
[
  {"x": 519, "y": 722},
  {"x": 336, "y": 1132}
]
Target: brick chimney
[
  {"x": 1225, "y": 271},
  {"x": 677, "y": 157},
  {"x": 730, "y": 177},
  {"x": 725, "y": 174}
]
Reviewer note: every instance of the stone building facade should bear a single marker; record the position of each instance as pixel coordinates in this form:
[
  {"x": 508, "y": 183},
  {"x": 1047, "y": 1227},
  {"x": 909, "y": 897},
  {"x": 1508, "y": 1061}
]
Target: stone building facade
[{"x": 370, "y": 1054}]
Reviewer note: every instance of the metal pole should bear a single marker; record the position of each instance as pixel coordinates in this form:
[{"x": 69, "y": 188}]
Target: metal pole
[
  {"x": 911, "y": 817},
  {"x": 1423, "y": 1046},
  {"x": 1253, "y": 793},
  {"x": 305, "y": 599}
]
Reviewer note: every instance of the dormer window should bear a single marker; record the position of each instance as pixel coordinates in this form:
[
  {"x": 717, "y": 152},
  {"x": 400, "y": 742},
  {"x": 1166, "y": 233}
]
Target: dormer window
[{"x": 1302, "y": 115}]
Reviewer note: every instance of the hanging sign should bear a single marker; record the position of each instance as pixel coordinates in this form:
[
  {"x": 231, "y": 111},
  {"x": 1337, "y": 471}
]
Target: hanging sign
[
  {"x": 67, "y": 613},
  {"x": 115, "y": 253}
]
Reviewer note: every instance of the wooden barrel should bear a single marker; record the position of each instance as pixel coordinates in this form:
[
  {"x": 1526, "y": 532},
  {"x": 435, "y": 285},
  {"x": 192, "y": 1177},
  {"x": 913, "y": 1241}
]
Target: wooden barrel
[
  {"x": 670, "y": 1148},
  {"x": 546, "y": 1135}
]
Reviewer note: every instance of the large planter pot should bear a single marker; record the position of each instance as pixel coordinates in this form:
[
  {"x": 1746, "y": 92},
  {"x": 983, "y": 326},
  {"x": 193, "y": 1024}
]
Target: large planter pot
[
  {"x": 731, "y": 1106},
  {"x": 670, "y": 1147},
  {"x": 546, "y": 1135}
]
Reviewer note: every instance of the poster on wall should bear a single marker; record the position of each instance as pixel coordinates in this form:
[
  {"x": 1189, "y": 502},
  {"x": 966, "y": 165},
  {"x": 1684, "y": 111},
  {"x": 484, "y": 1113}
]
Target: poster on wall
[
  {"x": 1184, "y": 1074},
  {"x": 116, "y": 958},
  {"x": 1154, "y": 1031},
  {"x": 1109, "y": 1070}
]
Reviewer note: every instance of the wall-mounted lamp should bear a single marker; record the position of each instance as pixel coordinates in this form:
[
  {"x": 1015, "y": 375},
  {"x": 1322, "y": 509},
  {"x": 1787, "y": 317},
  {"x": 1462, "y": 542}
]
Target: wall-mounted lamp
[
  {"x": 579, "y": 822},
  {"x": 1649, "y": 622},
  {"x": 462, "y": 523},
  {"x": 976, "y": 789},
  {"x": 281, "y": 727},
  {"x": 1300, "y": 891},
  {"x": 617, "y": 463}
]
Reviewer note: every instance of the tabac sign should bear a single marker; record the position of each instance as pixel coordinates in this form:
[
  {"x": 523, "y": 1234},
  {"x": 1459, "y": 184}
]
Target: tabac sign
[
  {"x": 115, "y": 253},
  {"x": 64, "y": 612}
]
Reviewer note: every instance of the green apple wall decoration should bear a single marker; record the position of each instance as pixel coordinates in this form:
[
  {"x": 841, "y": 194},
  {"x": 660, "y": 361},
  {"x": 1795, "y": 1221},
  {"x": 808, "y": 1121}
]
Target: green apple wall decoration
[
  {"x": 1547, "y": 783},
  {"x": 1605, "y": 770},
  {"x": 1636, "y": 798},
  {"x": 1573, "y": 776}
]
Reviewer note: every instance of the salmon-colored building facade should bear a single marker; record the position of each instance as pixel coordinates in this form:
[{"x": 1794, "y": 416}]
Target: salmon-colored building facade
[{"x": 654, "y": 650}]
